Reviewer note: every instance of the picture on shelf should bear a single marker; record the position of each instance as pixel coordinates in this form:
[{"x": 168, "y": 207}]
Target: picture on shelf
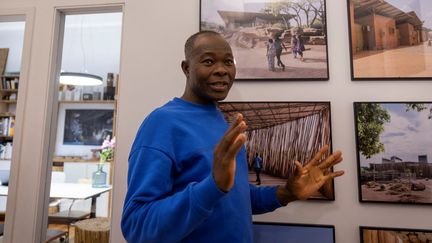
[
  {"x": 385, "y": 235},
  {"x": 393, "y": 151},
  {"x": 87, "y": 127},
  {"x": 272, "y": 40},
  {"x": 3, "y": 59},
  {"x": 390, "y": 39},
  {"x": 264, "y": 232},
  {"x": 280, "y": 133}
]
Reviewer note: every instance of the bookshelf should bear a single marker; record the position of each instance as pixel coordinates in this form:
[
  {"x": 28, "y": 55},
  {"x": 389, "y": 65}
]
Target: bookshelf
[
  {"x": 8, "y": 99},
  {"x": 87, "y": 101},
  {"x": 77, "y": 101}
]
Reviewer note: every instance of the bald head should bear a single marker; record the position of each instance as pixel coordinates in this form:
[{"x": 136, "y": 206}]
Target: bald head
[{"x": 190, "y": 42}]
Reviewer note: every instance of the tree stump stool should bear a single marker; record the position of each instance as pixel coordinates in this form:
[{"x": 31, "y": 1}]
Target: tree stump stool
[{"x": 95, "y": 230}]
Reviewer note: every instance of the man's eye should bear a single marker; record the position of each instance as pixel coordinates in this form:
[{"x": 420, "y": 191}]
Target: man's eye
[
  {"x": 208, "y": 62},
  {"x": 229, "y": 62}
]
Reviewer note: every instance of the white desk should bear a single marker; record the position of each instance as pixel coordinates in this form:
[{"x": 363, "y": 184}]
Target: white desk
[{"x": 72, "y": 191}]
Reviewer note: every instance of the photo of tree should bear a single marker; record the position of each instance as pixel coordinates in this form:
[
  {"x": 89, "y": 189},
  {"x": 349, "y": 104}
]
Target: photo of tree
[
  {"x": 394, "y": 151},
  {"x": 280, "y": 133},
  {"x": 390, "y": 39},
  {"x": 270, "y": 39},
  {"x": 394, "y": 235}
]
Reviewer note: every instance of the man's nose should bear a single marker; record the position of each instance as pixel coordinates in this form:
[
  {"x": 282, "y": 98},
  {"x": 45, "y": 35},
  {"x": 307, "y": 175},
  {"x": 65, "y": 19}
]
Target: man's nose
[{"x": 221, "y": 69}]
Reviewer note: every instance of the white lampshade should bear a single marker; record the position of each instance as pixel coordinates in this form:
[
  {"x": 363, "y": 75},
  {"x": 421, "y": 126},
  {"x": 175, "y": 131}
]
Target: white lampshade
[{"x": 81, "y": 79}]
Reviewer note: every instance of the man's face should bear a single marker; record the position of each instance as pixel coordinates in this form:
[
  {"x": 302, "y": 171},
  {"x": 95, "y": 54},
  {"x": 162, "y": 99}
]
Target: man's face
[{"x": 210, "y": 70}]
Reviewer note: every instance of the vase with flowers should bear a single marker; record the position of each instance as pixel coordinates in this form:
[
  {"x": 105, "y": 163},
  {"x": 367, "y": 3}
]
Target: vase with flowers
[{"x": 107, "y": 153}]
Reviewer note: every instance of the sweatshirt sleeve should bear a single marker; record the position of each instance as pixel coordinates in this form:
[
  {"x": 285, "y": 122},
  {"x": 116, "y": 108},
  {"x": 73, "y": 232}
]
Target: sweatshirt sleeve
[
  {"x": 152, "y": 212},
  {"x": 263, "y": 199}
]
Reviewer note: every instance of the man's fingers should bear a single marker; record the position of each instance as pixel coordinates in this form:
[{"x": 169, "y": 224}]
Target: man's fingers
[
  {"x": 235, "y": 147},
  {"x": 318, "y": 156},
  {"x": 238, "y": 127},
  {"x": 333, "y": 159},
  {"x": 299, "y": 169},
  {"x": 332, "y": 175}
]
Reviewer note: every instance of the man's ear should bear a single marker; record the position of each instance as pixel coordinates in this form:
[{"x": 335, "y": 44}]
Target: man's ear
[{"x": 185, "y": 67}]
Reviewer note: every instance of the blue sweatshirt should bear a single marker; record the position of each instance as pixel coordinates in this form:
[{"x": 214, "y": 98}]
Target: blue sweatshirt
[{"x": 172, "y": 196}]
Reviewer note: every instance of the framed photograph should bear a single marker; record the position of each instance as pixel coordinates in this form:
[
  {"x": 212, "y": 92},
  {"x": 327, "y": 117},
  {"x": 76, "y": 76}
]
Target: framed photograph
[
  {"x": 280, "y": 133},
  {"x": 264, "y": 232},
  {"x": 87, "y": 127},
  {"x": 272, "y": 40},
  {"x": 82, "y": 127},
  {"x": 394, "y": 141},
  {"x": 390, "y": 39},
  {"x": 396, "y": 235}
]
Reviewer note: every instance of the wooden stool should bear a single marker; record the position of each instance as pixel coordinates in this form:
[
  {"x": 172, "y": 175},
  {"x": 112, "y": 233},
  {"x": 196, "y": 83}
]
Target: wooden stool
[{"x": 95, "y": 230}]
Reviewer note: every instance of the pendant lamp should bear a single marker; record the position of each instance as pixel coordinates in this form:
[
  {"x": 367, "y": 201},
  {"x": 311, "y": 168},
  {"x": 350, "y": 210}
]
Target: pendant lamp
[{"x": 80, "y": 78}]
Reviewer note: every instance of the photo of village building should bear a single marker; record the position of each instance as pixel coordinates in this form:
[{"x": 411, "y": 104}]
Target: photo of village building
[
  {"x": 389, "y": 235},
  {"x": 391, "y": 38},
  {"x": 251, "y": 27},
  {"x": 282, "y": 133},
  {"x": 399, "y": 169}
]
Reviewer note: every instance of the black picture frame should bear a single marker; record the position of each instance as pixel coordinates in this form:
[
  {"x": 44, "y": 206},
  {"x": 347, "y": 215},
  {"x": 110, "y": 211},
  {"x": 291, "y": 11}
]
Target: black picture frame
[
  {"x": 87, "y": 127},
  {"x": 371, "y": 234},
  {"x": 280, "y": 125},
  {"x": 249, "y": 26},
  {"x": 391, "y": 42},
  {"x": 393, "y": 151},
  {"x": 264, "y": 232}
]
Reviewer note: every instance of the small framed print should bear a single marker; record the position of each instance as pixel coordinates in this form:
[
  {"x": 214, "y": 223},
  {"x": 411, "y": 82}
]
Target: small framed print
[
  {"x": 386, "y": 235},
  {"x": 82, "y": 127},
  {"x": 283, "y": 40},
  {"x": 390, "y": 39},
  {"x": 393, "y": 141},
  {"x": 264, "y": 232},
  {"x": 280, "y": 133}
]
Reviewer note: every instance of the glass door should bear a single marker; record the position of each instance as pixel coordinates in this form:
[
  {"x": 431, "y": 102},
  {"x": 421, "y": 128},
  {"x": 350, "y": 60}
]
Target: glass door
[
  {"x": 84, "y": 140},
  {"x": 12, "y": 30}
]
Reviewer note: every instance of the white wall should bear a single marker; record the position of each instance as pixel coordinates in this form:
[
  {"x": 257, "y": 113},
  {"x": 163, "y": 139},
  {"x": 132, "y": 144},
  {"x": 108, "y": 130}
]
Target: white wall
[
  {"x": 12, "y": 36},
  {"x": 152, "y": 49}
]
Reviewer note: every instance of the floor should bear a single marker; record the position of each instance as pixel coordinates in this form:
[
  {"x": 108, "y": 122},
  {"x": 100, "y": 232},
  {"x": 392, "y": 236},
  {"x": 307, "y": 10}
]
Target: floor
[
  {"x": 59, "y": 227},
  {"x": 65, "y": 228},
  {"x": 405, "y": 61}
]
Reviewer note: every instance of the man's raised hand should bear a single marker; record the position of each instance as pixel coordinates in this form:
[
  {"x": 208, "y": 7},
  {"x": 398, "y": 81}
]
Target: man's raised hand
[
  {"x": 310, "y": 178},
  {"x": 225, "y": 152}
]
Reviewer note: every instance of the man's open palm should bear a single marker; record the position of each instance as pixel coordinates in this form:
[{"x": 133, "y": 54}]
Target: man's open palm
[{"x": 310, "y": 178}]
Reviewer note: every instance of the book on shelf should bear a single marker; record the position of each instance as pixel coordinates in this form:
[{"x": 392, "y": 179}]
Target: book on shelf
[
  {"x": 7, "y": 125},
  {"x": 9, "y": 81}
]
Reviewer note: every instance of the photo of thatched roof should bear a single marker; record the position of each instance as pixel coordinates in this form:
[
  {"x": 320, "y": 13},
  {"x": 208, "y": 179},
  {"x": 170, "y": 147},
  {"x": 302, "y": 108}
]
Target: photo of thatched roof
[{"x": 282, "y": 133}]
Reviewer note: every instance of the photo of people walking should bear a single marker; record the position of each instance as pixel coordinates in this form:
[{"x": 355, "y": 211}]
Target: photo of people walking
[{"x": 291, "y": 27}]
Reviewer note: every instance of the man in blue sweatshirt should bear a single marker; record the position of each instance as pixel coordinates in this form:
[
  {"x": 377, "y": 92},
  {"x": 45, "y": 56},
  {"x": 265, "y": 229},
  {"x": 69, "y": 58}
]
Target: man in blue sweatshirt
[{"x": 188, "y": 174}]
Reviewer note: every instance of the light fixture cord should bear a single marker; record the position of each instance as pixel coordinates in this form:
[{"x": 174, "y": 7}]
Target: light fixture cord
[{"x": 82, "y": 45}]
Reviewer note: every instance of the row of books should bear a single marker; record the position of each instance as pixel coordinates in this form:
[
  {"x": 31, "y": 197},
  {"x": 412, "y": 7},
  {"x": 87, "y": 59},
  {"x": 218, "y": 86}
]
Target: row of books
[
  {"x": 7, "y": 126},
  {"x": 9, "y": 83}
]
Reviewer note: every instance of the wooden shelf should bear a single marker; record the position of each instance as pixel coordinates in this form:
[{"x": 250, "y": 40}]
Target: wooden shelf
[
  {"x": 6, "y": 137},
  {"x": 10, "y": 75},
  {"x": 87, "y": 101},
  {"x": 8, "y": 101},
  {"x": 75, "y": 160},
  {"x": 9, "y": 90},
  {"x": 6, "y": 114}
]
